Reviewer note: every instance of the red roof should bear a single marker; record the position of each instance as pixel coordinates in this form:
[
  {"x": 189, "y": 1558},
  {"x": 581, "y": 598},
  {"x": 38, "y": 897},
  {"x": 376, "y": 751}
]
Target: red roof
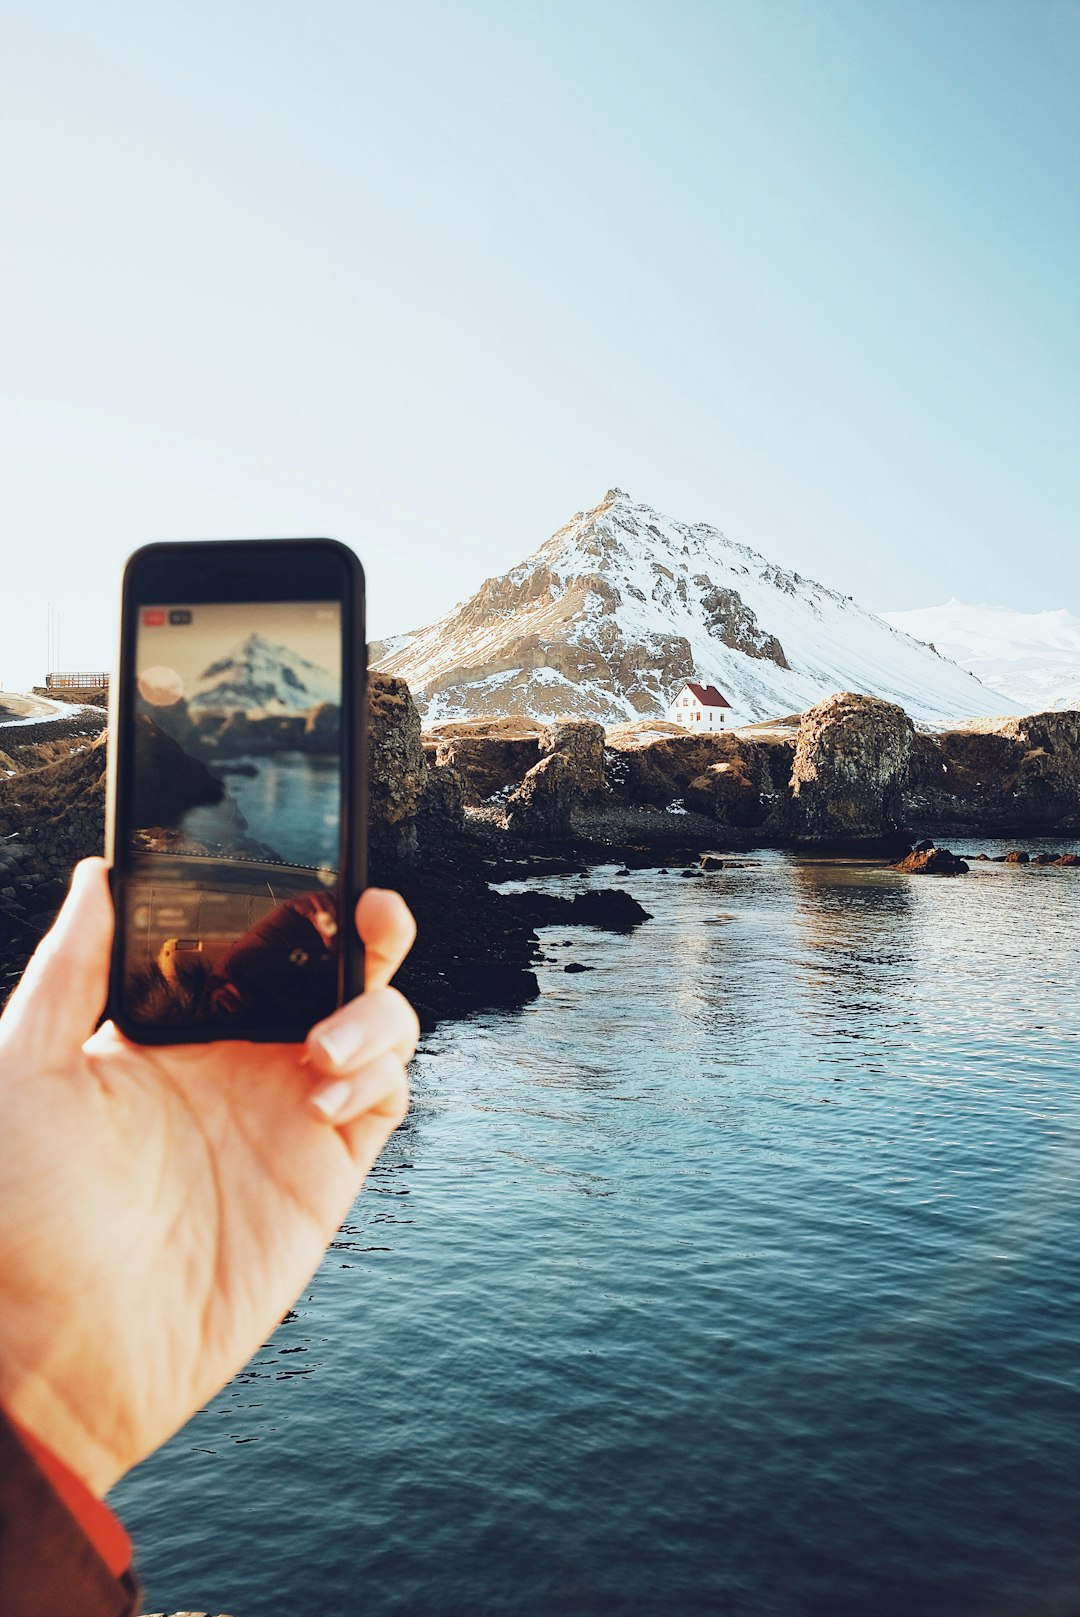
[{"x": 708, "y": 695}]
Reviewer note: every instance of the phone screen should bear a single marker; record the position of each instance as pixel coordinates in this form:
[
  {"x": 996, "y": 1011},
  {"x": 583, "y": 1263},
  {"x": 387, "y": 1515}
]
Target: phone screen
[{"x": 232, "y": 814}]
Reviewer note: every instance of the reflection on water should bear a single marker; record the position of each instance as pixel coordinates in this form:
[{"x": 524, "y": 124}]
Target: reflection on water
[{"x": 738, "y": 1274}]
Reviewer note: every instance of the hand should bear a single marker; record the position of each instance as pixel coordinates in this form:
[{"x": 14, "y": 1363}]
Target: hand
[{"x": 161, "y": 1208}]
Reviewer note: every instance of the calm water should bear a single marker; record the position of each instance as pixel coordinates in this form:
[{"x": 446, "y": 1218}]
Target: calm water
[
  {"x": 290, "y": 803},
  {"x": 738, "y": 1274}
]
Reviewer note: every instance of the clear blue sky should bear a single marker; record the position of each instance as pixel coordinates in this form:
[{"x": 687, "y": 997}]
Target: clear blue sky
[{"x": 431, "y": 277}]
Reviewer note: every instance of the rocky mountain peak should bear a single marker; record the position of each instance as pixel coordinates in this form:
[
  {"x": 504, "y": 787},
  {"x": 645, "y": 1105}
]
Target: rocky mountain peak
[{"x": 622, "y": 605}]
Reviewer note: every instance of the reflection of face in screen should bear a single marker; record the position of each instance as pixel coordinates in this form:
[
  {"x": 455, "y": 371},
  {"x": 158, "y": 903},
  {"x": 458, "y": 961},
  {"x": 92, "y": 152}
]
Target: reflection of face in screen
[{"x": 234, "y": 815}]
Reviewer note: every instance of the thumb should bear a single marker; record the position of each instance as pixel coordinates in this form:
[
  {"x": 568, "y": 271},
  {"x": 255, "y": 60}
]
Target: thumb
[{"x": 63, "y": 990}]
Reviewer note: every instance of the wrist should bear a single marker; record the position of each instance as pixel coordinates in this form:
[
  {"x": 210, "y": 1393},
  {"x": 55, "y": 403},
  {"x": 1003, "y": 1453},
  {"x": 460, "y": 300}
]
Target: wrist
[{"x": 45, "y": 1421}]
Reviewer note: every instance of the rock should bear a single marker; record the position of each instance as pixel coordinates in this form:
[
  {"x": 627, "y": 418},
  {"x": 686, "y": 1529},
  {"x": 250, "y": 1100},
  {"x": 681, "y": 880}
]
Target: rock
[
  {"x": 1069, "y": 859},
  {"x": 575, "y": 965},
  {"x": 1044, "y": 859},
  {"x": 1004, "y": 777},
  {"x": 397, "y": 768},
  {"x": 610, "y": 908},
  {"x": 1016, "y": 856},
  {"x": 924, "y": 846},
  {"x": 851, "y": 763},
  {"x": 932, "y": 862},
  {"x": 493, "y": 755},
  {"x": 560, "y": 786},
  {"x": 731, "y": 778},
  {"x": 168, "y": 780},
  {"x": 689, "y": 872},
  {"x": 322, "y": 729},
  {"x": 711, "y": 861}
]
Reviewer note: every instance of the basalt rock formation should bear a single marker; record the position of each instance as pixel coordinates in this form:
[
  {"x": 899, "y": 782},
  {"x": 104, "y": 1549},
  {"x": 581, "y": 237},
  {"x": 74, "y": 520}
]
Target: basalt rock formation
[
  {"x": 1019, "y": 776},
  {"x": 849, "y": 772},
  {"x": 555, "y": 791}
]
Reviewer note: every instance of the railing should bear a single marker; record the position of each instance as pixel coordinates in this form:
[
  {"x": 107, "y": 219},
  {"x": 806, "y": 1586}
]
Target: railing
[{"x": 76, "y": 682}]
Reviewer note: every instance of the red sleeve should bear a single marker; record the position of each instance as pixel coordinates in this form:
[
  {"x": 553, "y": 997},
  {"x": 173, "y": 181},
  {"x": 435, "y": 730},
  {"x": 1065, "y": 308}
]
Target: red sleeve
[
  {"x": 91, "y": 1514},
  {"x": 62, "y": 1552}
]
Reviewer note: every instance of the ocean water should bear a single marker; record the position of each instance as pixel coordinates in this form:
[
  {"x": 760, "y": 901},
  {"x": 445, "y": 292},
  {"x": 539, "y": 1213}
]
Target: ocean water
[
  {"x": 290, "y": 804},
  {"x": 738, "y": 1274}
]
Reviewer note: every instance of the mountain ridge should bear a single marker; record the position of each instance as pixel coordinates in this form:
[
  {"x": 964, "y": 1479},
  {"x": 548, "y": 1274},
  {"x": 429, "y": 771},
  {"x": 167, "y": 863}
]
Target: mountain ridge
[
  {"x": 1032, "y": 658},
  {"x": 612, "y": 613}
]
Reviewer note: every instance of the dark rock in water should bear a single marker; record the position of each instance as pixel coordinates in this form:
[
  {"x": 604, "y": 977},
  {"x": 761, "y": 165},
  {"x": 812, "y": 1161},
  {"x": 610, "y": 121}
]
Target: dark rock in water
[
  {"x": 924, "y": 846},
  {"x": 168, "y": 781},
  {"x": 575, "y": 965},
  {"x": 663, "y": 871},
  {"x": 711, "y": 861},
  {"x": 609, "y": 907},
  {"x": 852, "y": 757},
  {"x": 1068, "y": 859},
  {"x": 1017, "y": 856},
  {"x": 625, "y": 871},
  {"x": 983, "y": 858},
  {"x": 1044, "y": 859},
  {"x": 932, "y": 862},
  {"x": 689, "y": 872}
]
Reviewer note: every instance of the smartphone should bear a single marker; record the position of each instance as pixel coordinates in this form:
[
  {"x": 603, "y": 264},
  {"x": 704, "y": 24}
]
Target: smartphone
[{"x": 236, "y": 823}]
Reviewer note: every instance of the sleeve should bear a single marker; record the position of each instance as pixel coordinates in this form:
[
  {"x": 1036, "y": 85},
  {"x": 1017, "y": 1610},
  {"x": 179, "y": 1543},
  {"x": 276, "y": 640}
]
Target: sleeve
[{"x": 62, "y": 1552}]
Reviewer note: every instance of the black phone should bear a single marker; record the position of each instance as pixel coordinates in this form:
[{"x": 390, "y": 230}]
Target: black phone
[{"x": 237, "y": 815}]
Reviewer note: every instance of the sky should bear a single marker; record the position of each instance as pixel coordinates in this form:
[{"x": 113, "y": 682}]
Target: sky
[{"x": 430, "y": 278}]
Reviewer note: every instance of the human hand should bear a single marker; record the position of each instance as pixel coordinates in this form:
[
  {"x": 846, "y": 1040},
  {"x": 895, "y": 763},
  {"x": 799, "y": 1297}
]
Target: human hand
[{"x": 161, "y": 1208}]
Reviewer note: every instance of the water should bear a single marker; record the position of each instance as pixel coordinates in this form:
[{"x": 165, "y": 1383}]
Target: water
[
  {"x": 738, "y": 1274},
  {"x": 290, "y": 803}
]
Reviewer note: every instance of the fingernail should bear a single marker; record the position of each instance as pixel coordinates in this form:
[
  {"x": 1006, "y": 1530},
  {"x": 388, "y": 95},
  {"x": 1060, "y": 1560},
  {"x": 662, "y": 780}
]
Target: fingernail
[
  {"x": 341, "y": 1044},
  {"x": 331, "y": 1099}
]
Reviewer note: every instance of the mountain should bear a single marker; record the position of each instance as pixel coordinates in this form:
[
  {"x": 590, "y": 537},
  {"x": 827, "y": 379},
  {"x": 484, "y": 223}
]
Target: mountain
[
  {"x": 1031, "y": 658},
  {"x": 258, "y": 676},
  {"x": 610, "y": 616}
]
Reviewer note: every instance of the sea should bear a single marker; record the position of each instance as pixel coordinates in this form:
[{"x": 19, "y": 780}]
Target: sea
[
  {"x": 738, "y": 1273},
  {"x": 289, "y": 802}
]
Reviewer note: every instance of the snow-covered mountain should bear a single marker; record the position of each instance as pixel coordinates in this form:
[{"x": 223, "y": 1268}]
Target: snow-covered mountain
[
  {"x": 259, "y": 677},
  {"x": 1031, "y": 658},
  {"x": 617, "y": 609}
]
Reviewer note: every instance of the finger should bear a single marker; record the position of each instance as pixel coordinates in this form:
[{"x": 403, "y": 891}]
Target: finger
[
  {"x": 379, "y": 1089},
  {"x": 358, "y": 1033},
  {"x": 387, "y": 930},
  {"x": 64, "y": 988}
]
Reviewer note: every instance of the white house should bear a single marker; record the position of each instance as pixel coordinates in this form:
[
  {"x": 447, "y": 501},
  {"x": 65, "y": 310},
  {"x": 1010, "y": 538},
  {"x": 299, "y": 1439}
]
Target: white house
[{"x": 698, "y": 707}]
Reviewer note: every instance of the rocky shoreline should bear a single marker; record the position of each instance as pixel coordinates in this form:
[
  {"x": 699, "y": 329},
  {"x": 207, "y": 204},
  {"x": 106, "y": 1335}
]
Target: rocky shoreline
[{"x": 469, "y": 806}]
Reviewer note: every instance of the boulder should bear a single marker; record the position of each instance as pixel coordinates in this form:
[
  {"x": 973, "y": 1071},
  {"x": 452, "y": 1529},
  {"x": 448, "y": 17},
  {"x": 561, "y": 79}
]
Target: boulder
[
  {"x": 1016, "y": 856},
  {"x": 556, "y": 790},
  {"x": 610, "y": 908},
  {"x": 932, "y": 862},
  {"x": 1069, "y": 859},
  {"x": 852, "y": 757}
]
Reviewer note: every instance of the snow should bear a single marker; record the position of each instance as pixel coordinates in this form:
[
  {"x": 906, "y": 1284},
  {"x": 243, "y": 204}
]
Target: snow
[
  {"x": 1031, "y": 658},
  {"x": 623, "y": 578},
  {"x": 258, "y": 676}
]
